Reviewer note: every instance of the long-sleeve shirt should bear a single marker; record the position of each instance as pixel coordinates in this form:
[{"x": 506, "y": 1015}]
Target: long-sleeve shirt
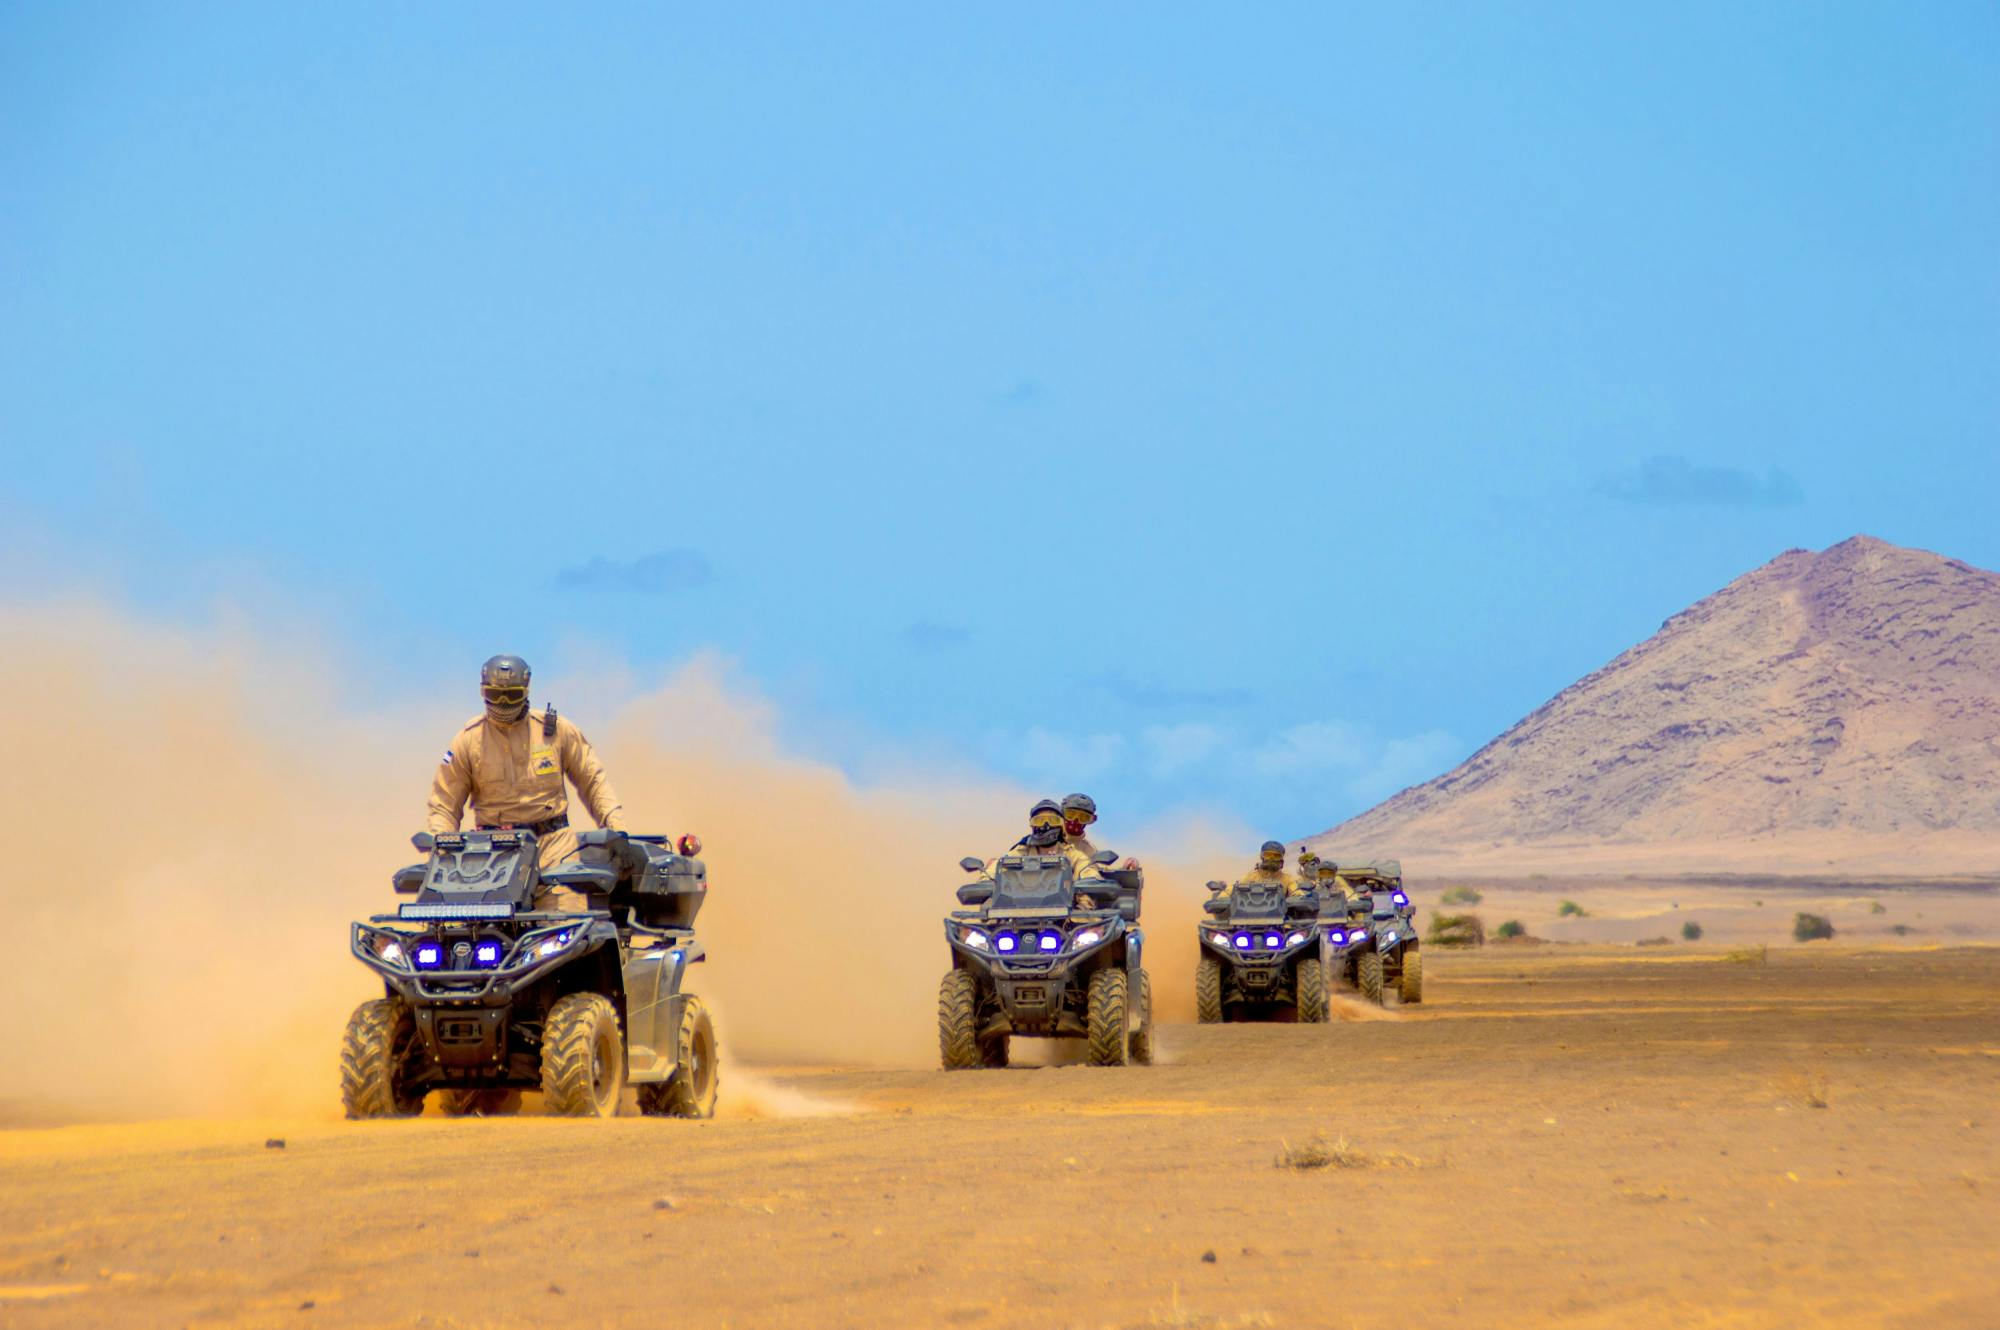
[{"x": 514, "y": 774}]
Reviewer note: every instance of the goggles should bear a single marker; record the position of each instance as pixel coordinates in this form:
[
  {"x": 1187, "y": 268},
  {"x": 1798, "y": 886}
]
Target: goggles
[
  {"x": 504, "y": 697},
  {"x": 1044, "y": 821},
  {"x": 1079, "y": 815}
]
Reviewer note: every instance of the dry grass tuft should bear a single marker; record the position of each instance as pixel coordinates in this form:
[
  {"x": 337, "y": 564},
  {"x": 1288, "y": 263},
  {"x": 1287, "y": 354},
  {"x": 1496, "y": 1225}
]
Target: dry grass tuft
[
  {"x": 1756, "y": 955},
  {"x": 1178, "y": 1317},
  {"x": 1319, "y": 1153},
  {"x": 1804, "y": 1087}
]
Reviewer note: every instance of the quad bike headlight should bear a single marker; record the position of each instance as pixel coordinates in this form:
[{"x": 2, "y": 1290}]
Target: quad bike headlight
[
  {"x": 1088, "y": 937},
  {"x": 428, "y": 954},
  {"x": 1049, "y": 940},
  {"x": 1273, "y": 941},
  {"x": 486, "y": 953},
  {"x": 1295, "y": 939},
  {"x": 1006, "y": 943},
  {"x": 541, "y": 948},
  {"x": 1336, "y": 937},
  {"x": 1400, "y": 898},
  {"x": 1244, "y": 942},
  {"x": 973, "y": 938}
]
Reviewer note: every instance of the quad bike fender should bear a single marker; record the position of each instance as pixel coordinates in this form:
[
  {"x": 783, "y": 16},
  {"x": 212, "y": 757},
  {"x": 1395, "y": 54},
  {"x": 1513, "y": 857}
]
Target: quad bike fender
[
  {"x": 653, "y": 1003},
  {"x": 652, "y": 1045}
]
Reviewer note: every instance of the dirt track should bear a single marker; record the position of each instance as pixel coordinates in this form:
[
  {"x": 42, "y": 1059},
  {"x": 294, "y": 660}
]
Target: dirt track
[{"x": 1604, "y": 1139}]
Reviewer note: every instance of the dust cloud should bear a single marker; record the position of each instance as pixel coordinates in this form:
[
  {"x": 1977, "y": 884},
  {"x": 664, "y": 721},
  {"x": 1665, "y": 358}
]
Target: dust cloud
[{"x": 207, "y": 814}]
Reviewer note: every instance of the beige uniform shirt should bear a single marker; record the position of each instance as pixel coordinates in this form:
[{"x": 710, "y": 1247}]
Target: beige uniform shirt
[
  {"x": 1081, "y": 869},
  {"x": 1262, "y": 874},
  {"x": 515, "y": 775}
]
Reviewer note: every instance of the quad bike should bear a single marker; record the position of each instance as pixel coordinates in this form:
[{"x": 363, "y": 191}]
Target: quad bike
[
  {"x": 1027, "y": 958},
  {"x": 1263, "y": 955},
  {"x": 1384, "y": 952},
  {"x": 485, "y": 996}
]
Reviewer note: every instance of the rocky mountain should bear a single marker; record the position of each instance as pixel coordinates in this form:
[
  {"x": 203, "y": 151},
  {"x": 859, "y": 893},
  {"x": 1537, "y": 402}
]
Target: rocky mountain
[{"x": 1833, "y": 710}]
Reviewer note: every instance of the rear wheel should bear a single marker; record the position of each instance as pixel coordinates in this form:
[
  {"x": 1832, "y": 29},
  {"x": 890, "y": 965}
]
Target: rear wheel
[
  {"x": 479, "y": 1103},
  {"x": 1208, "y": 991},
  {"x": 691, "y": 1092},
  {"x": 1142, "y": 1023},
  {"x": 376, "y": 1057},
  {"x": 1311, "y": 991},
  {"x": 958, "y": 1046},
  {"x": 583, "y": 1057},
  {"x": 1368, "y": 972},
  {"x": 1413, "y": 976},
  {"x": 1106, "y": 1025}
]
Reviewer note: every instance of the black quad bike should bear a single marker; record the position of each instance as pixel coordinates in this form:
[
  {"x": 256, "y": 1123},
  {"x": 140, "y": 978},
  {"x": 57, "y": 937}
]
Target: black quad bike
[
  {"x": 1263, "y": 955},
  {"x": 1030, "y": 958},
  {"x": 1384, "y": 952},
  {"x": 485, "y": 996}
]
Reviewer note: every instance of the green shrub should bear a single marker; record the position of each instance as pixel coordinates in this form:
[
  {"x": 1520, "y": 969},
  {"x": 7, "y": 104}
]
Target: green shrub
[
  {"x": 1570, "y": 909},
  {"x": 1460, "y": 896},
  {"x": 1512, "y": 928},
  {"x": 1456, "y": 930},
  {"x": 1877, "y": 907},
  {"x": 1811, "y": 927},
  {"x": 1691, "y": 931}
]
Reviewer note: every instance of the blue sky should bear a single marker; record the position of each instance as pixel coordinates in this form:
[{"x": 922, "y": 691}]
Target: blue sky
[{"x": 1238, "y": 410}]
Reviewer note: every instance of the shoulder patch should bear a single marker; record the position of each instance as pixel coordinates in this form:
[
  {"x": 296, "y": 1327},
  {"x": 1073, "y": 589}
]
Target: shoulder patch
[{"x": 447, "y": 757}]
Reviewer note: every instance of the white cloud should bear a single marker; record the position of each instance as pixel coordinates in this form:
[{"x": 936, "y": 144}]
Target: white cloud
[
  {"x": 1402, "y": 763},
  {"x": 1314, "y": 747},
  {"x": 1170, "y": 750}
]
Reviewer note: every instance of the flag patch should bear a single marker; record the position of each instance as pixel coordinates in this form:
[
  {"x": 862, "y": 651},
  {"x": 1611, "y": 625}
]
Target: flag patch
[{"x": 447, "y": 757}]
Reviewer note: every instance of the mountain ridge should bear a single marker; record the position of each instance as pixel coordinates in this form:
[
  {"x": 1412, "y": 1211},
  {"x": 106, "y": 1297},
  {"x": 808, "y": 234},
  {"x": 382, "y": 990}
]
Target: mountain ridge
[{"x": 1838, "y": 708}]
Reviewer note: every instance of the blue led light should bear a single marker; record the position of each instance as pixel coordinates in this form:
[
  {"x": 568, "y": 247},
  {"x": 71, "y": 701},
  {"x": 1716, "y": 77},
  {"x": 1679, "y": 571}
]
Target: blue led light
[
  {"x": 1243, "y": 942},
  {"x": 1005, "y": 942},
  {"x": 1400, "y": 898},
  {"x": 1336, "y": 937},
  {"x": 486, "y": 953},
  {"x": 428, "y": 955},
  {"x": 1050, "y": 941},
  {"x": 1272, "y": 941}
]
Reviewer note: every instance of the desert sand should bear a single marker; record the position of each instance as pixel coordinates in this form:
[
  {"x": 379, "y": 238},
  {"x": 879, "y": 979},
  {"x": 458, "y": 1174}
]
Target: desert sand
[{"x": 1580, "y": 1136}]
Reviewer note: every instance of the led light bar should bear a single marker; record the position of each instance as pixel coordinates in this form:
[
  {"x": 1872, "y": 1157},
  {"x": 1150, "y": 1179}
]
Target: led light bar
[{"x": 478, "y": 910}]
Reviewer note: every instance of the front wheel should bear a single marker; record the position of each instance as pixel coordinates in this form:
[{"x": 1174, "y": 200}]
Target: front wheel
[
  {"x": 1142, "y": 1025},
  {"x": 583, "y": 1057},
  {"x": 691, "y": 1091},
  {"x": 1208, "y": 991},
  {"x": 1311, "y": 991},
  {"x": 1413, "y": 977},
  {"x": 1368, "y": 971},
  {"x": 376, "y": 1054},
  {"x": 958, "y": 1003},
  {"x": 1106, "y": 1026}
]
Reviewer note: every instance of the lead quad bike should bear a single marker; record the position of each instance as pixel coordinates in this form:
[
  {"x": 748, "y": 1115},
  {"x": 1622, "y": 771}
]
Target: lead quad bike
[
  {"x": 1028, "y": 957},
  {"x": 485, "y": 996},
  {"x": 1384, "y": 952},
  {"x": 1263, "y": 955}
]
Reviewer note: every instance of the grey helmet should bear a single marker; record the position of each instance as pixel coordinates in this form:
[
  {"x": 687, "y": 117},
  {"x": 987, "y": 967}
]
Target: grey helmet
[
  {"x": 1045, "y": 828},
  {"x": 1271, "y": 854},
  {"x": 503, "y": 683},
  {"x": 1079, "y": 811}
]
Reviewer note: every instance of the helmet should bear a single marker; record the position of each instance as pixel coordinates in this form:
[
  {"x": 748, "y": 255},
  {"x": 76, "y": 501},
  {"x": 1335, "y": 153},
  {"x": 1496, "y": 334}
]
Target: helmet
[
  {"x": 503, "y": 682},
  {"x": 1271, "y": 854},
  {"x": 1326, "y": 868},
  {"x": 1045, "y": 824},
  {"x": 1308, "y": 856},
  {"x": 1079, "y": 811}
]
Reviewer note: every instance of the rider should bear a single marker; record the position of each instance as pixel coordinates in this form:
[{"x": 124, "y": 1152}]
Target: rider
[
  {"x": 1045, "y": 836},
  {"x": 1079, "y": 811},
  {"x": 1308, "y": 865},
  {"x": 1271, "y": 868},
  {"x": 512, "y": 763}
]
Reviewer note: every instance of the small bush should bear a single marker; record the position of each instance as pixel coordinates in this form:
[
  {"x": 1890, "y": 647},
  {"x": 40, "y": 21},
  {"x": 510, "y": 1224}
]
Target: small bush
[
  {"x": 1456, "y": 930},
  {"x": 1654, "y": 942},
  {"x": 1460, "y": 896},
  {"x": 1901, "y": 930},
  {"x": 1811, "y": 927},
  {"x": 1877, "y": 907},
  {"x": 1319, "y": 1153},
  {"x": 1512, "y": 928},
  {"x": 1746, "y": 955},
  {"x": 1570, "y": 909},
  {"x": 1691, "y": 931}
]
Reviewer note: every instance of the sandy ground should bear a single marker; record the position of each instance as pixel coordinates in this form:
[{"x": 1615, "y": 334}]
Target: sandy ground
[{"x": 1587, "y": 1137}]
